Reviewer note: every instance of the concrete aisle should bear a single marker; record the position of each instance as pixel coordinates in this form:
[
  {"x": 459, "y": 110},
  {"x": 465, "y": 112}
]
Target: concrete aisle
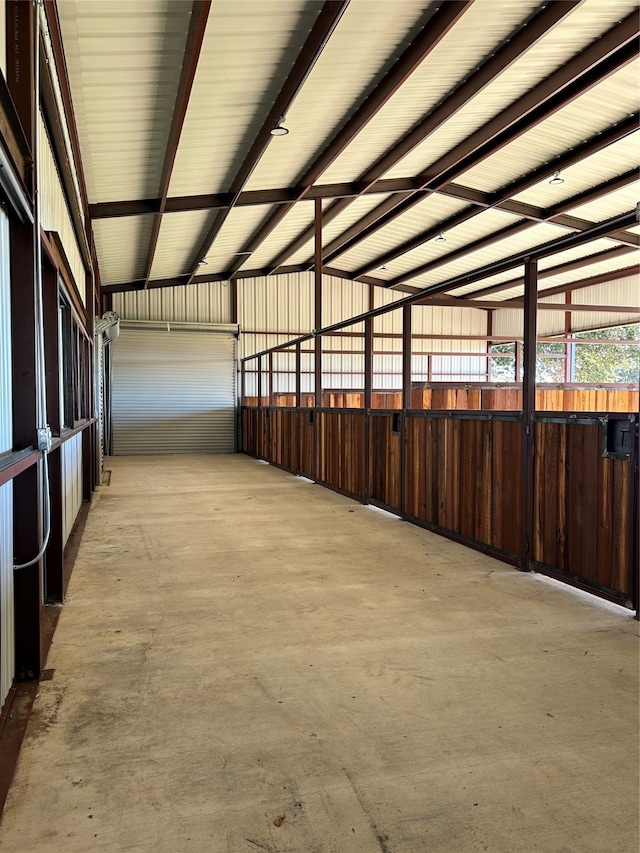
[{"x": 241, "y": 646}]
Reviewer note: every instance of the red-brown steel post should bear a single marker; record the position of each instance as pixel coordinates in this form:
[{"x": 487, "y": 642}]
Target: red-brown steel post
[
  {"x": 406, "y": 401},
  {"x": 298, "y": 376},
  {"x": 243, "y": 383},
  {"x": 369, "y": 464},
  {"x": 259, "y": 388},
  {"x": 568, "y": 347},
  {"x": 270, "y": 371},
  {"x": 318, "y": 338},
  {"x": 27, "y": 488},
  {"x": 528, "y": 409}
]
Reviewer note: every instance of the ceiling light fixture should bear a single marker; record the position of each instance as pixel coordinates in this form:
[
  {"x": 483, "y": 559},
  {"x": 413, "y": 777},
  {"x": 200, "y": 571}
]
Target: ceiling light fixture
[
  {"x": 441, "y": 238},
  {"x": 203, "y": 263},
  {"x": 556, "y": 180},
  {"x": 383, "y": 268},
  {"x": 279, "y": 129}
]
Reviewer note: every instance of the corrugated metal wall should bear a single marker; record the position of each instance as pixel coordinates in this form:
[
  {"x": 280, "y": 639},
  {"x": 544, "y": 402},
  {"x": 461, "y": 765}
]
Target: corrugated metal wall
[
  {"x": 623, "y": 291},
  {"x": 274, "y": 309},
  {"x": 173, "y": 391},
  {"x": 71, "y": 459},
  {"x": 54, "y": 211},
  {"x": 7, "y": 662}
]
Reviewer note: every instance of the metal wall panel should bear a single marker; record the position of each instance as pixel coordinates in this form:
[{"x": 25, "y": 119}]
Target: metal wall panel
[
  {"x": 173, "y": 391},
  {"x": 198, "y": 303},
  {"x": 342, "y": 299},
  {"x": 7, "y": 662},
  {"x": 279, "y": 303},
  {"x": 54, "y": 212},
  {"x": 71, "y": 457}
]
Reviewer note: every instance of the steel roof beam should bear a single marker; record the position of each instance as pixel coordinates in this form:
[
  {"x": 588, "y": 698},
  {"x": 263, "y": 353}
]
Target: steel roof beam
[
  {"x": 195, "y": 37},
  {"x": 569, "y": 266},
  {"x": 602, "y": 58},
  {"x": 502, "y": 201},
  {"x": 321, "y": 32},
  {"x": 430, "y": 36},
  {"x": 513, "y": 49}
]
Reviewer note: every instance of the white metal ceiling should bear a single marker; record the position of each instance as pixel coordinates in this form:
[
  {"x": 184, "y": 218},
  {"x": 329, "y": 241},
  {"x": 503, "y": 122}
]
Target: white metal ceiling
[{"x": 125, "y": 61}]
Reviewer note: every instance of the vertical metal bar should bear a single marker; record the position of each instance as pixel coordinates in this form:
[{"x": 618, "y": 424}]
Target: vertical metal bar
[
  {"x": 368, "y": 394},
  {"x": 429, "y": 368},
  {"x": 518, "y": 363},
  {"x": 259, "y": 388},
  {"x": 569, "y": 349},
  {"x": 318, "y": 300},
  {"x": 233, "y": 299},
  {"x": 270, "y": 369},
  {"x": 407, "y": 353},
  {"x": 243, "y": 383},
  {"x": 298, "y": 376},
  {"x": 318, "y": 339},
  {"x": 528, "y": 408},
  {"x": 406, "y": 357},
  {"x": 489, "y": 333},
  {"x": 368, "y": 363}
]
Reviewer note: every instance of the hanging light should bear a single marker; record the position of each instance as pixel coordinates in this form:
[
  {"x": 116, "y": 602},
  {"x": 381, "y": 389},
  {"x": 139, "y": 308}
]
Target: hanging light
[
  {"x": 440, "y": 238},
  {"x": 203, "y": 263},
  {"x": 279, "y": 129},
  {"x": 383, "y": 268},
  {"x": 556, "y": 180}
]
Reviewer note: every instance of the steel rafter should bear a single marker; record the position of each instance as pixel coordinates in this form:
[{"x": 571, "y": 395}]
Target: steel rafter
[
  {"x": 435, "y": 30},
  {"x": 604, "y": 57},
  {"x": 561, "y": 244},
  {"x": 195, "y": 36},
  {"x": 569, "y": 266},
  {"x": 321, "y": 32},
  {"x": 523, "y": 39}
]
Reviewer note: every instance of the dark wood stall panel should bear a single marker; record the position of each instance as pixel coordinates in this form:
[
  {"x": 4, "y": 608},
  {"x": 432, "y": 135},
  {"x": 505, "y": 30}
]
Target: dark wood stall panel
[
  {"x": 284, "y": 440},
  {"x": 385, "y": 460},
  {"x": 463, "y": 477},
  {"x": 342, "y": 450},
  {"x": 585, "y": 507},
  {"x": 249, "y": 430},
  {"x": 306, "y": 426}
]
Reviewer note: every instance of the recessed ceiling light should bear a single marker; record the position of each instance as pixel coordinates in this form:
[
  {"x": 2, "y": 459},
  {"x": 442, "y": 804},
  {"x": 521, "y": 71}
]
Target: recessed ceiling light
[{"x": 556, "y": 180}]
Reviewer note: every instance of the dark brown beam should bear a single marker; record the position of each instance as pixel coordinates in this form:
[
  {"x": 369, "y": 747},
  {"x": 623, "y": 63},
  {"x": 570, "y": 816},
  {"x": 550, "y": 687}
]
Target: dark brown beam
[
  {"x": 569, "y": 266},
  {"x": 431, "y": 35},
  {"x": 562, "y": 244},
  {"x": 608, "y": 54},
  {"x": 526, "y": 36},
  {"x": 590, "y": 282},
  {"x": 528, "y": 409},
  {"x": 195, "y": 37},
  {"x": 251, "y": 198},
  {"x": 324, "y": 26},
  {"x": 518, "y": 303},
  {"x": 317, "y": 315}
]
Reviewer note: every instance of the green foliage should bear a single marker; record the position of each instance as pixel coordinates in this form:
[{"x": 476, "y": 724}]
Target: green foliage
[
  {"x": 606, "y": 363},
  {"x": 594, "y": 363}
]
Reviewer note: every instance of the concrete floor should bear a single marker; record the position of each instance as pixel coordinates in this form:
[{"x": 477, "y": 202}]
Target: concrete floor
[{"x": 241, "y": 649}]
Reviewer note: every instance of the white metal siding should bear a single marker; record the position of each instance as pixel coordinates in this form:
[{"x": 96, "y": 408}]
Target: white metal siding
[
  {"x": 209, "y": 302},
  {"x": 7, "y": 660},
  {"x": 54, "y": 212},
  {"x": 71, "y": 459},
  {"x": 173, "y": 391}
]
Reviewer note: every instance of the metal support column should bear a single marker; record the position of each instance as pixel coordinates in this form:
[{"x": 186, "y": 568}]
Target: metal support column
[
  {"x": 318, "y": 338},
  {"x": 368, "y": 394},
  {"x": 528, "y": 408},
  {"x": 406, "y": 399}
]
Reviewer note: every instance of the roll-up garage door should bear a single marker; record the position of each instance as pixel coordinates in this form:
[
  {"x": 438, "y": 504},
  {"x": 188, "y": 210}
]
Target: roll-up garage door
[{"x": 173, "y": 389}]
